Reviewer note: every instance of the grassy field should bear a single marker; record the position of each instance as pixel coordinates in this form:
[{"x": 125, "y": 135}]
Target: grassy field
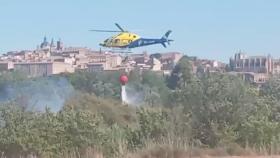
[{"x": 166, "y": 152}]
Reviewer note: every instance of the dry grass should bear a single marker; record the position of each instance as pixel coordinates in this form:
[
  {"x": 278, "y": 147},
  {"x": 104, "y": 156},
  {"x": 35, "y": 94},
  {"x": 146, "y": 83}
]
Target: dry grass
[
  {"x": 169, "y": 152},
  {"x": 87, "y": 153},
  {"x": 164, "y": 152}
]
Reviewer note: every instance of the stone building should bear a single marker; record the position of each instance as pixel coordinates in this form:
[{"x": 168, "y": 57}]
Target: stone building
[
  {"x": 95, "y": 67},
  {"x": 6, "y": 66},
  {"x": 255, "y": 69},
  {"x": 62, "y": 67},
  {"x": 35, "y": 69},
  {"x": 257, "y": 64}
]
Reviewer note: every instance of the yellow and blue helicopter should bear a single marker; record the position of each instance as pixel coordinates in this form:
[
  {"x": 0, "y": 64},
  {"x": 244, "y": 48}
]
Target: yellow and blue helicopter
[{"x": 128, "y": 40}]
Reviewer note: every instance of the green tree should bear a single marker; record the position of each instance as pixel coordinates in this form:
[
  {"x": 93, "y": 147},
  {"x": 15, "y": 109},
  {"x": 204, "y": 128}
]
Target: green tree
[
  {"x": 259, "y": 128},
  {"x": 152, "y": 123},
  {"x": 214, "y": 103},
  {"x": 156, "y": 91},
  {"x": 271, "y": 88},
  {"x": 181, "y": 75}
]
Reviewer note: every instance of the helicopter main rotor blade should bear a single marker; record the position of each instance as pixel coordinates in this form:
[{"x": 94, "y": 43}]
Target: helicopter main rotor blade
[
  {"x": 122, "y": 30},
  {"x": 104, "y": 31}
]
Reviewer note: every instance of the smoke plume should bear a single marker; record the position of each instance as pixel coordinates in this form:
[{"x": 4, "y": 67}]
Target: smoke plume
[
  {"x": 37, "y": 94},
  {"x": 134, "y": 97}
]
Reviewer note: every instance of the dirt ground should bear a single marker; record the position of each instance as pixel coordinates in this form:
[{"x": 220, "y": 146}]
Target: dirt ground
[{"x": 243, "y": 157}]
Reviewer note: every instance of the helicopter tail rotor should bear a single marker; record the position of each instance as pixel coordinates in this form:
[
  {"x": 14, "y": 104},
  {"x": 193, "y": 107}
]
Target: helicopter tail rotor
[
  {"x": 165, "y": 38},
  {"x": 167, "y": 34}
]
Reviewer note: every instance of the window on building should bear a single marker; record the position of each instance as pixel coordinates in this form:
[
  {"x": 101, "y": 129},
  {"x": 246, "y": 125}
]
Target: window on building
[
  {"x": 263, "y": 62},
  {"x": 258, "y": 62}
]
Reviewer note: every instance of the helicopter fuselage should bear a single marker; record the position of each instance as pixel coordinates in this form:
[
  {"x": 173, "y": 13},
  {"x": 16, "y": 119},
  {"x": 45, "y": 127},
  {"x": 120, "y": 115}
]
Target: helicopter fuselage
[
  {"x": 130, "y": 40},
  {"x": 121, "y": 40}
]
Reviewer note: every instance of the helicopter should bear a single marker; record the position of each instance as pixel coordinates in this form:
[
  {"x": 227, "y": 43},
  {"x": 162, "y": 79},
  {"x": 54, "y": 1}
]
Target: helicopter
[{"x": 127, "y": 40}]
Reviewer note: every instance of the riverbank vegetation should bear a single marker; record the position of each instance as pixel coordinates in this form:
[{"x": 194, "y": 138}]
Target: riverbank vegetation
[{"x": 182, "y": 115}]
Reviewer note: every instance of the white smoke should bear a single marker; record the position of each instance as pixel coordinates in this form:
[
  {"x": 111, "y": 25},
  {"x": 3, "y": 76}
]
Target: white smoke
[
  {"x": 39, "y": 93},
  {"x": 134, "y": 97},
  {"x": 138, "y": 96}
]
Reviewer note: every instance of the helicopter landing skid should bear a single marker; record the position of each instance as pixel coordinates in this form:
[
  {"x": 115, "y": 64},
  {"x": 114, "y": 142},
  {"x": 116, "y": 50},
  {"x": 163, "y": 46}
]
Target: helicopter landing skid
[{"x": 120, "y": 50}]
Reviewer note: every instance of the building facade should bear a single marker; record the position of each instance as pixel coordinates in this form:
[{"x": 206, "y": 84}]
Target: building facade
[
  {"x": 255, "y": 69},
  {"x": 62, "y": 67},
  {"x": 257, "y": 64},
  {"x": 6, "y": 66},
  {"x": 276, "y": 66},
  {"x": 95, "y": 67},
  {"x": 36, "y": 69}
]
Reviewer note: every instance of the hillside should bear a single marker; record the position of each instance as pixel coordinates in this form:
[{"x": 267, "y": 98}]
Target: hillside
[{"x": 182, "y": 115}]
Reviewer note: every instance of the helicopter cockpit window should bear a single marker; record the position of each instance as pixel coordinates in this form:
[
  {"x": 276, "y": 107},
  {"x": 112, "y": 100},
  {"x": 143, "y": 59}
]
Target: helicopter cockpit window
[{"x": 117, "y": 41}]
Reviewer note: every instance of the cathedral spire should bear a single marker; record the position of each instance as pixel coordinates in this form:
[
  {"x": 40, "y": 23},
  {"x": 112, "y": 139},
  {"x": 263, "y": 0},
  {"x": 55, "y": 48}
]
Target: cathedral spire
[
  {"x": 52, "y": 43},
  {"x": 45, "y": 40}
]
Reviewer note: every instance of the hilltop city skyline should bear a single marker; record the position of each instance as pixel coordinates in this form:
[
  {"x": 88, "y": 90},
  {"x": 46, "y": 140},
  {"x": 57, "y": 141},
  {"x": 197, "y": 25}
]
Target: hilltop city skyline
[
  {"x": 54, "y": 57},
  {"x": 207, "y": 29},
  {"x": 50, "y": 40}
]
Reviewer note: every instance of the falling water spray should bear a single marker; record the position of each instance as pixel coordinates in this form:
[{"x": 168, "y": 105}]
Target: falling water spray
[
  {"x": 123, "y": 81},
  {"x": 124, "y": 95}
]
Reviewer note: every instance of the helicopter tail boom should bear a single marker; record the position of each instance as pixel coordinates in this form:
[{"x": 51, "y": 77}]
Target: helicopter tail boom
[{"x": 146, "y": 41}]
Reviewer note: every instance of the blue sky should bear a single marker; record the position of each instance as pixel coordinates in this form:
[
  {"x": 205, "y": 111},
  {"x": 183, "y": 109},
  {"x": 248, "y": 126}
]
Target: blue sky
[{"x": 212, "y": 29}]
